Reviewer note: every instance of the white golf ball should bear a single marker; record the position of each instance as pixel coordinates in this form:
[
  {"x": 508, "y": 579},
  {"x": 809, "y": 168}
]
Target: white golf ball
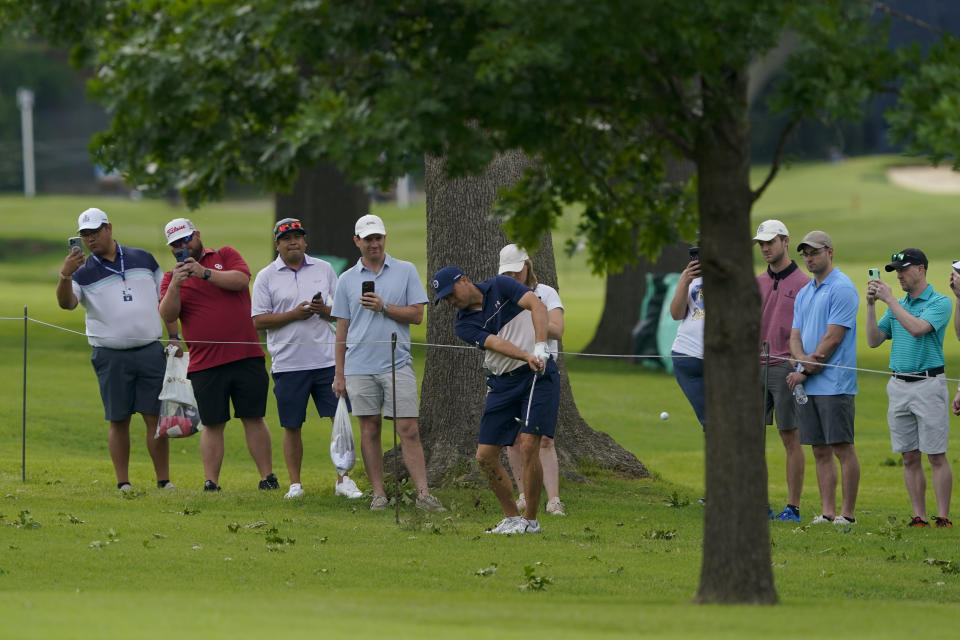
[{"x": 664, "y": 415}]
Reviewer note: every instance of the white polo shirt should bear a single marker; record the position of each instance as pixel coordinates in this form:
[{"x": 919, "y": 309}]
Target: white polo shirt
[{"x": 304, "y": 344}]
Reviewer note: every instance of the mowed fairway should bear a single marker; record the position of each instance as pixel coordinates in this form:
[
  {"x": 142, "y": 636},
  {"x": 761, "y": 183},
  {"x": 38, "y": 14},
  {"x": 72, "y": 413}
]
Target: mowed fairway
[{"x": 80, "y": 560}]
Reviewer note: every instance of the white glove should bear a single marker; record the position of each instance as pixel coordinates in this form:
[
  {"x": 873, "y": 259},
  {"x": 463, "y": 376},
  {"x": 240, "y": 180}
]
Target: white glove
[{"x": 541, "y": 352}]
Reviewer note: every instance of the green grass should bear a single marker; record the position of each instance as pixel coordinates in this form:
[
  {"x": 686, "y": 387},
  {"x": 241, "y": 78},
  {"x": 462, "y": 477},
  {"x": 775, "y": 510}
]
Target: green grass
[{"x": 622, "y": 563}]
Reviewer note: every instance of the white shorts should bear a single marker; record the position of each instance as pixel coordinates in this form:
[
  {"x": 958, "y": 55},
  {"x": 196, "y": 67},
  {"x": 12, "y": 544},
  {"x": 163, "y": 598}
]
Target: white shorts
[
  {"x": 918, "y": 415},
  {"x": 372, "y": 395}
]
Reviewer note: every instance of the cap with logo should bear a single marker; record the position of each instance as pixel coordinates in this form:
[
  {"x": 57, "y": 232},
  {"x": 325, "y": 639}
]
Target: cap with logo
[
  {"x": 815, "y": 240},
  {"x": 178, "y": 228},
  {"x": 906, "y": 258},
  {"x": 444, "y": 280},
  {"x": 92, "y": 218},
  {"x": 288, "y": 225},
  {"x": 369, "y": 225},
  {"x": 770, "y": 229},
  {"x": 512, "y": 258}
]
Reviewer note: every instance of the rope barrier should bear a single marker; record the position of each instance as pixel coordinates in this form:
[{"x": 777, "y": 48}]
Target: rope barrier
[{"x": 446, "y": 346}]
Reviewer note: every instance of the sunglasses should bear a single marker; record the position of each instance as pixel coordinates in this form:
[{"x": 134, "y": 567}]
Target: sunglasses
[
  {"x": 182, "y": 241},
  {"x": 288, "y": 226}
]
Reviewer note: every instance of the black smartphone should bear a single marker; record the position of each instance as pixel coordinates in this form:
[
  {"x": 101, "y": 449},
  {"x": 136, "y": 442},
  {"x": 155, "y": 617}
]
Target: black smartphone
[
  {"x": 318, "y": 297},
  {"x": 366, "y": 287},
  {"x": 182, "y": 254},
  {"x": 694, "y": 253},
  {"x": 75, "y": 243}
]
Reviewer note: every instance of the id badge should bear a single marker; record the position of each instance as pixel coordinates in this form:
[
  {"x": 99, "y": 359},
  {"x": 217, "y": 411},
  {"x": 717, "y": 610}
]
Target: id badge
[{"x": 128, "y": 295}]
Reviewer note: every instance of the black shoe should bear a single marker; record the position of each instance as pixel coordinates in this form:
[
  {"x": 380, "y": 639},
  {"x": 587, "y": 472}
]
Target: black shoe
[
  {"x": 269, "y": 483},
  {"x": 210, "y": 485}
]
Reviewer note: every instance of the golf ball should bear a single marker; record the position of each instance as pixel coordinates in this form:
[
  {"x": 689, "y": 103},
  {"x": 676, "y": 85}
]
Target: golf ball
[{"x": 664, "y": 415}]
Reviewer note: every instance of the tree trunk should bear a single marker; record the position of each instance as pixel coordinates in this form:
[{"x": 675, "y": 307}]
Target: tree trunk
[
  {"x": 736, "y": 536},
  {"x": 625, "y": 290},
  {"x": 460, "y": 231},
  {"x": 328, "y": 205}
]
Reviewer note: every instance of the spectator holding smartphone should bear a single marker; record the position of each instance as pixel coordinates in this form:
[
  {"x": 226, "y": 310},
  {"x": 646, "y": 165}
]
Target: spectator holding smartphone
[
  {"x": 291, "y": 298},
  {"x": 687, "y": 349},
  {"x": 119, "y": 287},
  {"x": 367, "y": 315}
]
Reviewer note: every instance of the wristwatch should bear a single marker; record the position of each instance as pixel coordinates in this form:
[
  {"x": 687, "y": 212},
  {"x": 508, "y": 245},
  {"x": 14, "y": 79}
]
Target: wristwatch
[
  {"x": 206, "y": 274},
  {"x": 385, "y": 307}
]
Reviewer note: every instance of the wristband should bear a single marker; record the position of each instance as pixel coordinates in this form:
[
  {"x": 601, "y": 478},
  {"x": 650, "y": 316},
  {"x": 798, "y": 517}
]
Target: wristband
[
  {"x": 175, "y": 336},
  {"x": 384, "y": 309}
]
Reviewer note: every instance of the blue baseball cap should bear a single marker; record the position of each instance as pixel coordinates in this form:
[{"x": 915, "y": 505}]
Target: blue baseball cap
[{"x": 444, "y": 280}]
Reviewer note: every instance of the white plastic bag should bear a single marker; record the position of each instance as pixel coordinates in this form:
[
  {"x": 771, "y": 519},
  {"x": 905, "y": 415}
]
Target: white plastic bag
[
  {"x": 342, "y": 451},
  {"x": 179, "y": 417}
]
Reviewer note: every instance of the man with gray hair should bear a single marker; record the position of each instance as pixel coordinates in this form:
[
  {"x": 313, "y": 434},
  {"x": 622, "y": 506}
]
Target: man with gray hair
[{"x": 779, "y": 286}]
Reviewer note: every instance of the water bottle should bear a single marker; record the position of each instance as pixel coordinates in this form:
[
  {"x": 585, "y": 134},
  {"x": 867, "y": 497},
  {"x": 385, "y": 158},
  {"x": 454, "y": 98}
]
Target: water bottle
[{"x": 800, "y": 394}]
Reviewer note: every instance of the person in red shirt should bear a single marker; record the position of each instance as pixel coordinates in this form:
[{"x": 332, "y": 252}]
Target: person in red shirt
[{"x": 209, "y": 292}]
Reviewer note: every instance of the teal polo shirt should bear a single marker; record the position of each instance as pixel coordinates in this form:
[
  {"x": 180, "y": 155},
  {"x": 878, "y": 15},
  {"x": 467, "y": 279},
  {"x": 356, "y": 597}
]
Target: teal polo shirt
[{"x": 908, "y": 354}]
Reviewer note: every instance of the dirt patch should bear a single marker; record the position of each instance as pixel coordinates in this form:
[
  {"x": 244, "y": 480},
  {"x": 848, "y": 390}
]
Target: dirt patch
[{"x": 926, "y": 179}]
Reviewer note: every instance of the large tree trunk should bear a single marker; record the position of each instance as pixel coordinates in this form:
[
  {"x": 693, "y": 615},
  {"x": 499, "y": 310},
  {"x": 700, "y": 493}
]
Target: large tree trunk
[
  {"x": 328, "y": 205},
  {"x": 736, "y": 536},
  {"x": 461, "y": 231}
]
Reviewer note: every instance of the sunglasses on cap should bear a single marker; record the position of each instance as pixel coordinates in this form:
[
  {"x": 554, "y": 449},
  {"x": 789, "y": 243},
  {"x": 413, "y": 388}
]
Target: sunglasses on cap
[
  {"x": 181, "y": 241},
  {"x": 288, "y": 226}
]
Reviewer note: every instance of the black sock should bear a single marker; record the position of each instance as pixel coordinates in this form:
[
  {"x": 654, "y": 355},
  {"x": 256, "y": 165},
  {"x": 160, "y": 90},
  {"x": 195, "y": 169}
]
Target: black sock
[
  {"x": 121, "y": 484},
  {"x": 162, "y": 483},
  {"x": 794, "y": 508}
]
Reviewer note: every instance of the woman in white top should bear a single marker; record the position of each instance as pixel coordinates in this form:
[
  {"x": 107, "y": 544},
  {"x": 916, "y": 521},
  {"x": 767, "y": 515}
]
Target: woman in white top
[
  {"x": 515, "y": 263},
  {"x": 687, "y": 350}
]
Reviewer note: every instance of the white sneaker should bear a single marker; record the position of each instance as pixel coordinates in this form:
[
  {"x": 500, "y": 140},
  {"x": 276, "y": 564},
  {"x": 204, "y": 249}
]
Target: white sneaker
[
  {"x": 822, "y": 519},
  {"x": 169, "y": 486},
  {"x": 348, "y": 489},
  {"x": 555, "y": 507},
  {"x": 844, "y": 520},
  {"x": 510, "y": 524},
  {"x": 296, "y": 490},
  {"x": 531, "y": 526},
  {"x": 379, "y": 503},
  {"x": 521, "y": 503}
]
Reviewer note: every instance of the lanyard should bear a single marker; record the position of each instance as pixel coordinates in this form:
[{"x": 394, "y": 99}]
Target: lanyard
[{"x": 123, "y": 272}]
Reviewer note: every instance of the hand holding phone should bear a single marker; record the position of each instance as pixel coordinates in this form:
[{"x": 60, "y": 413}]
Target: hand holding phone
[
  {"x": 874, "y": 274},
  {"x": 366, "y": 287},
  {"x": 75, "y": 243},
  {"x": 182, "y": 254},
  {"x": 694, "y": 253}
]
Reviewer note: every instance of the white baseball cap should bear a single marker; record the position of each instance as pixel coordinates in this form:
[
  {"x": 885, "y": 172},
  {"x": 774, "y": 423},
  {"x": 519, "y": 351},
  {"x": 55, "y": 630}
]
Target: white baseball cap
[
  {"x": 770, "y": 229},
  {"x": 178, "y": 228},
  {"x": 369, "y": 225},
  {"x": 92, "y": 218},
  {"x": 512, "y": 258}
]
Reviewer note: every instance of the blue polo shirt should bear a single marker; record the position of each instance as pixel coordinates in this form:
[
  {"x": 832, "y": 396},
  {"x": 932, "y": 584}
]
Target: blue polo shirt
[
  {"x": 834, "y": 301},
  {"x": 499, "y": 315},
  {"x": 926, "y": 352},
  {"x": 397, "y": 284},
  {"x": 121, "y": 298}
]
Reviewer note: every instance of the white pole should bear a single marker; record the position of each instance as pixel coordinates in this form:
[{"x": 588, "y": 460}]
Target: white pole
[
  {"x": 25, "y": 102},
  {"x": 403, "y": 191}
]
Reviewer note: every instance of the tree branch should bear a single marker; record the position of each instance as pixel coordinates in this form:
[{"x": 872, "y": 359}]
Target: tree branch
[
  {"x": 775, "y": 166},
  {"x": 884, "y": 8}
]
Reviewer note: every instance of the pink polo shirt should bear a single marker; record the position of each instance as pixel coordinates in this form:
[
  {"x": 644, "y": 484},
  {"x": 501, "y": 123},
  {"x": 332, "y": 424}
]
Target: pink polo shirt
[{"x": 777, "y": 293}]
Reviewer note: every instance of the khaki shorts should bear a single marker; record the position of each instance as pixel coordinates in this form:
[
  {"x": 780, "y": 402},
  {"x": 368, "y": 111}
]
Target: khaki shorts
[
  {"x": 372, "y": 395},
  {"x": 917, "y": 415}
]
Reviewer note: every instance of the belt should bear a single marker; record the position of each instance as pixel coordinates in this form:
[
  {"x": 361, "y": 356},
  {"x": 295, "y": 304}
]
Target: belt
[
  {"x": 519, "y": 371},
  {"x": 917, "y": 375}
]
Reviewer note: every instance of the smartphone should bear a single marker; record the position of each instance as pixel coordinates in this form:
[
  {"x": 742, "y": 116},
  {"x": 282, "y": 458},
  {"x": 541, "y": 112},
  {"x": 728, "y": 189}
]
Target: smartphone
[
  {"x": 694, "y": 253},
  {"x": 318, "y": 297},
  {"x": 75, "y": 243},
  {"x": 182, "y": 254},
  {"x": 874, "y": 274},
  {"x": 366, "y": 287}
]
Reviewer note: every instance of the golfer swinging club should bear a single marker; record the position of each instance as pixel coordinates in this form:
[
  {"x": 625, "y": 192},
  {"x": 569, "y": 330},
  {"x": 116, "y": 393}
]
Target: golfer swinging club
[{"x": 507, "y": 320}]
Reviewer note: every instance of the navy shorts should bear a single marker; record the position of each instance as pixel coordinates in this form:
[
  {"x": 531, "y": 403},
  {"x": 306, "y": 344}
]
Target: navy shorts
[
  {"x": 130, "y": 380},
  {"x": 293, "y": 390},
  {"x": 244, "y": 382},
  {"x": 508, "y": 398}
]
